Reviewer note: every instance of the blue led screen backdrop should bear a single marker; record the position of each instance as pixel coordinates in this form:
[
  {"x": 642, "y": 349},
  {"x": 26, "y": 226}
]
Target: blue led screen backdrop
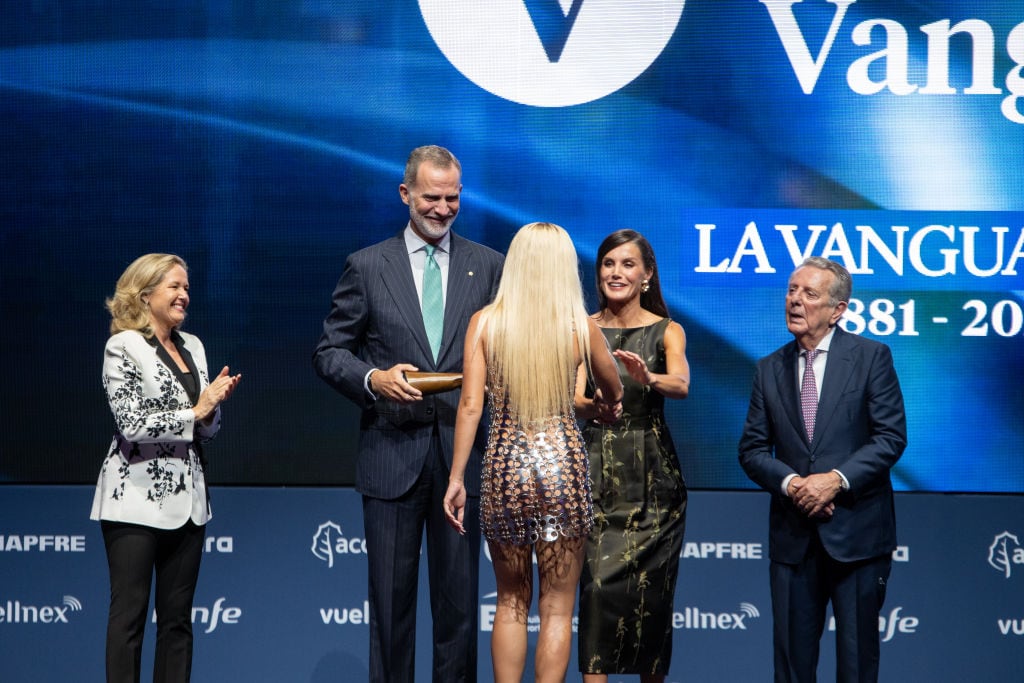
[{"x": 264, "y": 141}]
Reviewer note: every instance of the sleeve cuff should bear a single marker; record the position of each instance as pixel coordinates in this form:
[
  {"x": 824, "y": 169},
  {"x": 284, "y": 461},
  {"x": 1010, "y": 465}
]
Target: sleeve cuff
[
  {"x": 785, "y": 484},
  {"x": 366, "y": 385},
  {"x": 844, "y": 483}
]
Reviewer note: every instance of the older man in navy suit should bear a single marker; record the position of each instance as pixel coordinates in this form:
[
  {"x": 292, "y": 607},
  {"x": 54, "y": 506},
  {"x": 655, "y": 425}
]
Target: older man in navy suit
[
  {"x": 825, "y": 425},
  {"x": 403, "y": 305}
]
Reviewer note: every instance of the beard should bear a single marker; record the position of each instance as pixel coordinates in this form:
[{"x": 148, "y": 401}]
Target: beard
[{"x": 430, "y": 228}]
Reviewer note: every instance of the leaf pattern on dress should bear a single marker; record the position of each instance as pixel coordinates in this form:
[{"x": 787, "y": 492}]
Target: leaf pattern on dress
[{"x": 628, "y": 588}]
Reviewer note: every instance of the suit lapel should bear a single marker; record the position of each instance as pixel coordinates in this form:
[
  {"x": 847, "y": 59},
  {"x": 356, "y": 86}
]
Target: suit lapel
[
  {"x": 838, "y": 371},
  {"x": 396, "y": 273},
  {"x": 786, "y": 372},
  {"x": 179, "y": 375},
  {"x": 187, "y": 356},
  {"x": 461, "y": 272}
]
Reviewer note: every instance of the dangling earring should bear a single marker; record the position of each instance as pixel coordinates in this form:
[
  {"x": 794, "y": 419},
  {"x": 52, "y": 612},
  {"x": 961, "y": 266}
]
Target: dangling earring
[{"x": 644, "y": 286}]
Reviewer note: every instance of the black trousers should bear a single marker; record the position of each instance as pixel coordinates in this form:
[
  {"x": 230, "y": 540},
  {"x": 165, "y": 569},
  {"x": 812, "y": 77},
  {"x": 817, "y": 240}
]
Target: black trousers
[
  {"x": 394, "y": 533},
  {"x": 134, "y": 552},
  {"x": 800, "y": 596}
]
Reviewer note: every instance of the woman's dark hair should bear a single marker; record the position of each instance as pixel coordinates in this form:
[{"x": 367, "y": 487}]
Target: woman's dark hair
[{"x": 652, "y": 300}]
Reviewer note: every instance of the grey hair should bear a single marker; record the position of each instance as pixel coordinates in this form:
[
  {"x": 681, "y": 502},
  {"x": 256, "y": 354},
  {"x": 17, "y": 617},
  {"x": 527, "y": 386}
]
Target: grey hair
[
  {"x": 438, "y": 156},
  {"x": 842, "y": 284}
]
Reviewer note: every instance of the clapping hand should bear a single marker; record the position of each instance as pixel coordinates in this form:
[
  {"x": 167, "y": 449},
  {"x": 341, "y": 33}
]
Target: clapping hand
[{"x": 219, "y": 390}]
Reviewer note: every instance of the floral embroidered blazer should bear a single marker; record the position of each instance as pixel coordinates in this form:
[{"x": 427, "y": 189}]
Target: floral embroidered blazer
[{"x": 153, "y": 472}]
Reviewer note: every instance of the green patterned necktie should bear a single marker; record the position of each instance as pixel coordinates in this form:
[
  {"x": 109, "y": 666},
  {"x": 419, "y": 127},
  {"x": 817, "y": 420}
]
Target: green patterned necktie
[{"x": 433, "y": 301}]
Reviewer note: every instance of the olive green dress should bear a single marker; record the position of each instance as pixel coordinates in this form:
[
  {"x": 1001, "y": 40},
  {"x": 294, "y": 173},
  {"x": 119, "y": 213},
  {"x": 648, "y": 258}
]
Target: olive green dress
[{"x": 627, "y": 591}]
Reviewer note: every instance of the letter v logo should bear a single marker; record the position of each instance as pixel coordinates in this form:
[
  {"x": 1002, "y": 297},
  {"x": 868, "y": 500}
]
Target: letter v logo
[
  {"x": 553, "y": 22},
  {"x": 551, "y": 53}
]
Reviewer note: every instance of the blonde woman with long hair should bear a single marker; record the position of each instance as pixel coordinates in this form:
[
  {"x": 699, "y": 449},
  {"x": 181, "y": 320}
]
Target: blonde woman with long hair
[
  {"x": 524, "y": 349},
  {"x": 151, "y": 499}
]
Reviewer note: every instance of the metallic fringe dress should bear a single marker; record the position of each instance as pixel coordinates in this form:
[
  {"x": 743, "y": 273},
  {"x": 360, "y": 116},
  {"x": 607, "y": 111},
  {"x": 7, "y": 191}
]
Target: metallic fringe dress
[{"x": 536, "y": 483}]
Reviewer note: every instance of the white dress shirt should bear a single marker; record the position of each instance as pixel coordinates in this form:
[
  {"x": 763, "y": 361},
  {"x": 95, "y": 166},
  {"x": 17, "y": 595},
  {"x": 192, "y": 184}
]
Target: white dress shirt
[{"x": 820, "y": 363}]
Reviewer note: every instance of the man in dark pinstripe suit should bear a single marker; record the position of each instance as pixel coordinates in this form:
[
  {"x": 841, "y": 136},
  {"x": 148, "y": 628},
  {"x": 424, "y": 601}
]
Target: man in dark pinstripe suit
[{"x": 374, "y": 333}]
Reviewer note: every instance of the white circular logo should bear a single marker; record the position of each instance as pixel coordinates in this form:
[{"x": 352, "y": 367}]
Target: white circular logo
[{"x": 551, "y": 53}]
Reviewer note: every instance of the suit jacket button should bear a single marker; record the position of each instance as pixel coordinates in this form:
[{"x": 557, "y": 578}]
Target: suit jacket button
[{"x": 430, "y": 411}]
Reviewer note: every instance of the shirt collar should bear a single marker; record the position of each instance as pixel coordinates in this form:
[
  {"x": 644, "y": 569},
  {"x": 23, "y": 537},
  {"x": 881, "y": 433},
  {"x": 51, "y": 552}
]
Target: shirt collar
[
  {"x": 824, "y": 344},
  {"x": 414, "y": 242}
]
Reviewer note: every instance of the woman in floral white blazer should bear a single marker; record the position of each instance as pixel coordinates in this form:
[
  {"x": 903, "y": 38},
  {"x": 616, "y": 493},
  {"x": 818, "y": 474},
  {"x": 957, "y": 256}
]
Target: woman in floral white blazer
[{"x": 151, "y": 495}]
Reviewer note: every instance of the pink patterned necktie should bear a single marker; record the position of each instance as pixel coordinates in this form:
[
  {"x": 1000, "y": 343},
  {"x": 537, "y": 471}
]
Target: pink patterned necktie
[{"x": 809, "y": 395}]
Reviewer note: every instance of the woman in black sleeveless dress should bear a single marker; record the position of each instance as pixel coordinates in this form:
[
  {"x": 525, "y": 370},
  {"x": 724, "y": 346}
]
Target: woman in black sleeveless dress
[{"x": 628, "y": 584}]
